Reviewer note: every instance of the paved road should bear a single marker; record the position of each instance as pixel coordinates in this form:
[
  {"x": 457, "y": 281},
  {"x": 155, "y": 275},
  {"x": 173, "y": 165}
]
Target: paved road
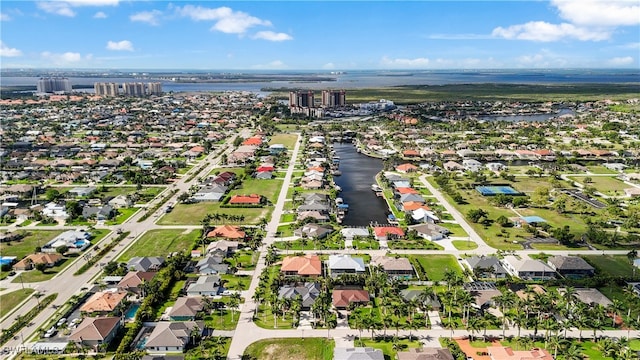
[
  {"x": 244, "y": 334},
  {"x": 66, "y": 284}
]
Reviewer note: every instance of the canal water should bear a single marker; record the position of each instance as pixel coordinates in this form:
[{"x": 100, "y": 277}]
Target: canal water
[{"x": 358, "y": 173}]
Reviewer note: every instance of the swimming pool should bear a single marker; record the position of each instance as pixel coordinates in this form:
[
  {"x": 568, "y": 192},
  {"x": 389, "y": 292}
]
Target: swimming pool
[{"x": 131, "y": 312}]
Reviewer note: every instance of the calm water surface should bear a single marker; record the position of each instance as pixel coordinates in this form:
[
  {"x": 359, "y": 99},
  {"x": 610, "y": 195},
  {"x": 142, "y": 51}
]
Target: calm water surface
[{"x": 358, "y": 173}]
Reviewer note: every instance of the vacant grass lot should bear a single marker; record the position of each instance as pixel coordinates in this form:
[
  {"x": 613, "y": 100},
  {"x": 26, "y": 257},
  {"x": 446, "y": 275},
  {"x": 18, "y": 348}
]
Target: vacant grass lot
[
  {"x": 464, "y": 244},
  {"x": 12, "y": 299},
  {"x": 386, "y": 345},
  {"x": 291, "y": 349},
  {"x": 434, "y": 266},
  {"x": 288, "y": 140},
  {"x": 28, "y": 244},
  {"x": 614, "y": 265},
  {"x": 607, "y": 185},
  {"x": 192, "y": 214},
  {"x": 161, "y": 243},
  {"x": 268, "y": 188},
  {"x": 456, "y": 229}
]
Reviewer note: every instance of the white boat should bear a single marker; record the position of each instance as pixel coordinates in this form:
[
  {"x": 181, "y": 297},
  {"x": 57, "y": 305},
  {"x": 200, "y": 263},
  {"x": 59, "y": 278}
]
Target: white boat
[
  {"x": 338, "y": 188},
  {"x": 339, "y": 200},
  {"x": 376, "y": 187}
]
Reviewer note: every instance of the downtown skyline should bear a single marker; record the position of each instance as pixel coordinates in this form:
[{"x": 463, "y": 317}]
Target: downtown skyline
[{"x": 314, "y": 35}]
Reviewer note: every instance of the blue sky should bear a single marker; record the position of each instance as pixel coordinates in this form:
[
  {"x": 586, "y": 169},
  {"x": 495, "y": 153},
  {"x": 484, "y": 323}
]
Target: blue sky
[{"x": 329, "y": 35}]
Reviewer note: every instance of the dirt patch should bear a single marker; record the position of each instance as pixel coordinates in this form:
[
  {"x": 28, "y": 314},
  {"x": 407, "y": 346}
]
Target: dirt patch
[{"x": 278, "y": 352}]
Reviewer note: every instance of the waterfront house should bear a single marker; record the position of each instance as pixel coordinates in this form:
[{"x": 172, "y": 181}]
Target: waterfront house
[
  {"x": 103, "y": 302},
  {"x": 406, "y": 168},
  {"x": 352, "y": 233},
  {"x": 357, "y": 353},
  {"x": 312, "y": 230},
  {"x": 384, "y": 233}
]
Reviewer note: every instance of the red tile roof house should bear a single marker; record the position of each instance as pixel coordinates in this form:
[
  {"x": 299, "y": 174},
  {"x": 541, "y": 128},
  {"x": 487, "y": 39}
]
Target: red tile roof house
[
  {"x": 133, "y": 280},
  {"x": 343, "y": 298},
  {"x": 29, "y": 262},
  {"x": 253, "y": 199},
  {"x": 411, "y": 153},
  {"x": 256, "y": 140},
  {"x": 406, "y": 168},
  {"x": 387, "y": 232},
  {"x": 308, "y": 265}
]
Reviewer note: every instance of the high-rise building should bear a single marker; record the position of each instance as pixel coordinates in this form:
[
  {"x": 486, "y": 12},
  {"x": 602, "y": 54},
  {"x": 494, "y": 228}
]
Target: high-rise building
[
  {"x": 154, "y": 88},
  {"x": 106, "y": 89},
  {"x": 301, "y": 99},
  {"x": 133, "y": 89},
  {"x": 53, "y": 84},
  {"x": 333, "y": 98}
]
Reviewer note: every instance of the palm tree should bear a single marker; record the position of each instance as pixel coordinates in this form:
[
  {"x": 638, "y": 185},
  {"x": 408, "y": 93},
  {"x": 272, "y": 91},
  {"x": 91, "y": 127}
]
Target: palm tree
[
  {"x": 573, "y": 352},
  {"x": 615, "y": 307},
  {"x": 504, "y": 301},
  {"x": 473, "y": 324},
  {"x": 554, "y": 342}
]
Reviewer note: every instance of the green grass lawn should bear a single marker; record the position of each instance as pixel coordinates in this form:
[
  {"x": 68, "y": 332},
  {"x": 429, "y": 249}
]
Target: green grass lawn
[
  {"x": 28, "y": 244},
  {"x": 288, "y": 140},
  {"x": 12, "y": 299},
  {"x": 464, "y": 245},
  {"x": 161, "y": 243},
  {"x": 604, "y": 184},
  {"x": 456, "y": 229},
  {"x": 287, "y": 218},
  {"x": 222, "y": 319},
  {"x": 265, "y": 319},
  {"x": 37, "y": 276},
  {"x": 123, "y": 215},
  {"x": 386, "y": 345},
  {"x": 434, "y": 266},
  {"x": 614, "y": 265},
  {"x": 236, "y": 282},
  {"x": 366, "y": 244},
  {"x": 192, "y": 214},
  {"x": 268, "y": 188},
  {"x": 291, "y": 349},
  {"x": 308, "y": 244},
  {"x": 598, "y": 169},
  {"x": 414, "y": 244}
]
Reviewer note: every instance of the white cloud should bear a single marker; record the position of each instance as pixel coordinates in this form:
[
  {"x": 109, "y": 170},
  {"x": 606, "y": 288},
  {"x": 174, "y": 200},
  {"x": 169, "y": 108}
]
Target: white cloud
[
  {"x": 405, "y": 63},
  {"x": 68, "y": 58},
  {"x": 124, "y": 45},
  {"x": 6, "y": 51},
  {"x": 632, "y": 46},
  {"x": 4, "y": 17},
  {"x": 149, "y": 17},
  {"x": 100, "y": 15},
  {"x": 57, "y": 8},
  {"x": 621, "y": 61},
  {"x": 610, "y": 13},
  {"x": 64, "y": 8},
  {"x": 227, "y": 20},
  {"x": 272, "y": 36},
  {"x": 276, "y": 64},
  {"x": 545, "y": 32}
]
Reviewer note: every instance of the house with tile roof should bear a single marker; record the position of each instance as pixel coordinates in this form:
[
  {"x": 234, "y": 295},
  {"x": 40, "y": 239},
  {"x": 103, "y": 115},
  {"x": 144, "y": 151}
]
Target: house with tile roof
[
  {"x": 251, "y": 199},
  {"x": 103, "y": 302},
  {"x": 185, "y": 308},
  {"x": 425, "y": 353},
  {"x": 573, "y": 267},
  {"x": 172, "y": 336},
  {"x": 227, "y": 232},
  {"x": 398, "y": 268},
  {"x": 387, "y": 232},
  {"x": 308, "y": 265},
  {"x": 345, "y": 264},
  {"x": 357, "y": 353},
  {"x": 95, "y": 331},
  {"x": 31, "y": 260},
  {"x": 341, "y": 299},
  {"x": 133, "y": 280}
]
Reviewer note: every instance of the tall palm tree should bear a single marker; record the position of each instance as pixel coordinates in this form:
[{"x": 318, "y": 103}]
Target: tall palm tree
[
  {"x": 573, "y": 352},
  {"x": 615, "y": 308},
  {"x": 473, "y": 324}
]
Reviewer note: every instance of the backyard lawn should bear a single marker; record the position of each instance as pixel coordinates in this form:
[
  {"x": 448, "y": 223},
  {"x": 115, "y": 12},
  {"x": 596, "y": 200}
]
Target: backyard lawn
[
  {"x": 456, "y": 229},
  {"x": 161, "y": 243},
  {"x": 614, "y": 265},
  {"x": 291, "y": 349},
  {"x": 386, "y": 345},
  {"x": 434, "y": 266}
]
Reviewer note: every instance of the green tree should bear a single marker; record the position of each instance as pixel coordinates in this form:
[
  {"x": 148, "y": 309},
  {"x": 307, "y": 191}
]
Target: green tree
[
  {"x": 42, "y": 267},
  {"x": 52, "y": 194}
]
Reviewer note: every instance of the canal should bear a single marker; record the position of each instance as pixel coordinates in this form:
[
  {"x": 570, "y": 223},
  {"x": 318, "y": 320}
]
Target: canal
[{"x": 358, "y": 173}]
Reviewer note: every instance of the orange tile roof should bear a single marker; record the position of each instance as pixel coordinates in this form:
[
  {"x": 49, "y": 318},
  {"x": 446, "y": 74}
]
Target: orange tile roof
[
  {"x": 407, "y": 190},
  {"x": 406, "y": 167},
  {"x": 385, "y": 230},
  {"x": 103, "y": 301},
  {"x": 410, "y": 153},
  {"x": 227, "y": 231},
  {"x": 507, "y": 353},
  {"x": 245, "y": 199},
  {"x": 309, "y": 265},
  {"x": 414, "y": 205},
  {"x": 342, "y": 298},
  {"x": 256, "y": 140}
]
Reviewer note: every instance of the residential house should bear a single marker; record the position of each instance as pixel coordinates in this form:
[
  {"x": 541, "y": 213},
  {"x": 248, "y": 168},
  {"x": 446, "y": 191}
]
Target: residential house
[
  {"x": 425, "y": 353},
  {"x": 409, "y": 295},
  {"x": 308, "y": 292},
  {"x": 227, "y": 232},
  {"x": 312, "y": 230},
  {"x": 424, "y": 216},
  {"x": 211, "y": 265},
  {"x": 345, "y": 264},
  {"x": 103, "y": 302},
  {"x": 120, "y": 202},
  {"x": 590, "y": 296},
  {"x": 223, "y": 246},
  {"x": 95, "y": 331},
  {"x": 186, "y": 308},
  {"x": 308, "y": 265},
  {"x": 472, "y": 165},
  {"x": 55, "y": 211},
  {"x": 528, "y": 269},
  {"x": 357, "y": 353},
  {"x": 31, "y": 260},
  {"x": 82, "y": 191},
  {"x": 384, "y": 233},
  {"x": 341, "y": 299},
  {"x": 352, "y": 233},
  {"x": 486, "y": 267},
  {"x": 317, "y": 216},
  {"x": 100, "y": 213},
  {"x": 264, "y": 175},
  {"x": 406, "y": 168},
  {"x": 495, "y": 166},
  {"x": 147, "y": 263},
  {"x": 452, "y": 166},
  {"x": 74, "y": 240},
  {"x": 205, "y": 286},
  {"x": 398, "y": 268},
  {"x": 210, "y": 193},
  {"x": 172, "y": 336},
  {"x": 483, "y": 293},
  {"x": 276, "y": 149},
  {"x": 573, "y": 267},
  {"x": 507, "y": 353},
  {"x": 134, "y": 280},
  {"x": 252, "y": 199},
  {"x": 430, "y": 231}
]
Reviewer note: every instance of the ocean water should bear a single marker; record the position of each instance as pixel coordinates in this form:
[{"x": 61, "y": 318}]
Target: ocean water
[{"x": 373, "y": 78}]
